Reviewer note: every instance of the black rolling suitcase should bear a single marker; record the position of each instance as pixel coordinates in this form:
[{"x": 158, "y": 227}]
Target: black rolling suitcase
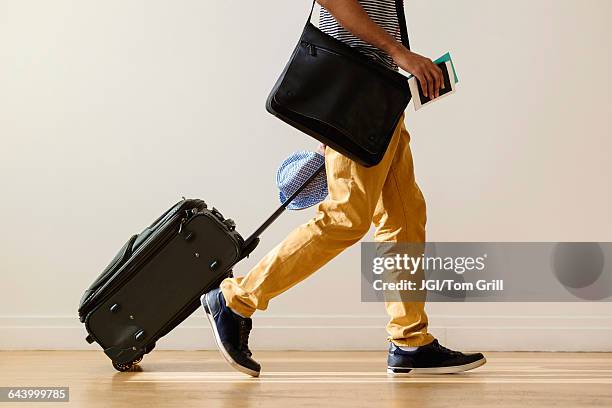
[{"x": 156, "y": 280}]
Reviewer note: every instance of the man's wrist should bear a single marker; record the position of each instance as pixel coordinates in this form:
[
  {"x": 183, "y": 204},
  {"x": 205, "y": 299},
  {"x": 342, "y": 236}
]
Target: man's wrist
[{"x": 395, "y": 50}]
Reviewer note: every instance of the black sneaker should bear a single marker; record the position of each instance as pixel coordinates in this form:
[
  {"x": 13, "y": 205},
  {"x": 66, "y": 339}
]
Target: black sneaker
[
  {"x": 231, "y": 333},
  {"x": 431, "y": 359}
]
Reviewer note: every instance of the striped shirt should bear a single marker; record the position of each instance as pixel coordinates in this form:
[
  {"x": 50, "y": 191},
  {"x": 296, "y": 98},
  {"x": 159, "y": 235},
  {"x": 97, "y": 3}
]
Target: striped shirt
[{"x": 382, "y": 12}]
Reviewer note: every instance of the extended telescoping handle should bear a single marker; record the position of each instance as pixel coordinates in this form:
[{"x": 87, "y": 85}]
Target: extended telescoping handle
[{"x": 252, "y": 241}]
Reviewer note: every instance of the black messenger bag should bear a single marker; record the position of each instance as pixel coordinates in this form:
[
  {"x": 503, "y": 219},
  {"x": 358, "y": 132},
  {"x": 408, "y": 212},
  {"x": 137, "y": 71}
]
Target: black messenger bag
[{"x": 341, "y": 97}]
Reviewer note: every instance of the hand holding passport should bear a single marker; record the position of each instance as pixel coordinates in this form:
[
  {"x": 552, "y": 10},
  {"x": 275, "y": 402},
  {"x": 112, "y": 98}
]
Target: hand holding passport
[{"x": 450, "y": 79}]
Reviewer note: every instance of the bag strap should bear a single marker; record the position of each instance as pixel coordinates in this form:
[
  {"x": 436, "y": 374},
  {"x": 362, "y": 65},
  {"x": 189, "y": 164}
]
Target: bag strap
[
  {"x": 251, "y": 242},
  {"x": 401, "y": 19},
  {"x": 311, "y": 11}
]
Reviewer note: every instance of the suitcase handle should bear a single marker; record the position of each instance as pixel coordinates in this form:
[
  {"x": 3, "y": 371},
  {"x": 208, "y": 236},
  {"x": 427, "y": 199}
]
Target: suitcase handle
[{"x": 252, "y": 241}]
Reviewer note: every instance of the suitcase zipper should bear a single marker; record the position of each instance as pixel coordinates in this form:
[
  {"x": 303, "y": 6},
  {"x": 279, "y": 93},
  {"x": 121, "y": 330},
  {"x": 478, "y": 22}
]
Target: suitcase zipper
[
  {"x": 107, "y": 288},
  {"x": 111, "y": 283},
  {"x": 163, "y": 235}
]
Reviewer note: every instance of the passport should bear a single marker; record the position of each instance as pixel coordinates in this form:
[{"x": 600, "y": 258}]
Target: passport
[{"x": 445, "y": 63}]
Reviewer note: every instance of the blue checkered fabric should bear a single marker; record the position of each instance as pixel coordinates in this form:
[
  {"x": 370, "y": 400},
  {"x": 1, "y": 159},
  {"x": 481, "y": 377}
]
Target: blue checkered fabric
[{"x": 294, "y": 171}]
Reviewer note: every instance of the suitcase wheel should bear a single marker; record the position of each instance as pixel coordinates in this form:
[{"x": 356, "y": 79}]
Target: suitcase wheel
[{"x": 126, "y": 366}]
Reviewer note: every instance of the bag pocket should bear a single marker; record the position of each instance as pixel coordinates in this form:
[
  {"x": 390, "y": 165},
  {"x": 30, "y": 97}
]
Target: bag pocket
[{"x": 118, "y": 261}]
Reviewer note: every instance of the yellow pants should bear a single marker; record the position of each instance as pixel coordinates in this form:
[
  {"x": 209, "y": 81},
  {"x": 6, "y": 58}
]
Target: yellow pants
[{"x": 386, "y": 195}]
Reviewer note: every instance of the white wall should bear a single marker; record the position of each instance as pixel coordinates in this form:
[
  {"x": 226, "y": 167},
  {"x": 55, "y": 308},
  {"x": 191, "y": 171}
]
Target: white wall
[{"x": 111, "y": 110}]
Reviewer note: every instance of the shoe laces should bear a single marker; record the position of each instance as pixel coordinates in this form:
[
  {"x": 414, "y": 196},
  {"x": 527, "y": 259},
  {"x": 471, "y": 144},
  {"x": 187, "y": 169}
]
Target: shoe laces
[
  {"x": 244, "y": 329},
  {"x": 440, "y": 347}
]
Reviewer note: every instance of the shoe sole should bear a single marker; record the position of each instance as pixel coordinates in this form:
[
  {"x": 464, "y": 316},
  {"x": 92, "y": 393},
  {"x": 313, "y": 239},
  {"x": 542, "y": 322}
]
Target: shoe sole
[
  {"x": 224, "y": 352},
  {"x": 401, "y": 372}
]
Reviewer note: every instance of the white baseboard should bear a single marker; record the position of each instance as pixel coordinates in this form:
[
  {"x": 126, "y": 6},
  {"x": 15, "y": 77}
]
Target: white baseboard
[{"x": 334, "y": 332}]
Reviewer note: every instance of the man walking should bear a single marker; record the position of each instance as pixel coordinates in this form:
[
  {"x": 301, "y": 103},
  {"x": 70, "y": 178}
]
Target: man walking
[{"x": 386, "y": 195}]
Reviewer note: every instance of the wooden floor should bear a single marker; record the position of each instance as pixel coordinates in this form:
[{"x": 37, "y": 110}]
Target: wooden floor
[{"x": 316, "y": 379}]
